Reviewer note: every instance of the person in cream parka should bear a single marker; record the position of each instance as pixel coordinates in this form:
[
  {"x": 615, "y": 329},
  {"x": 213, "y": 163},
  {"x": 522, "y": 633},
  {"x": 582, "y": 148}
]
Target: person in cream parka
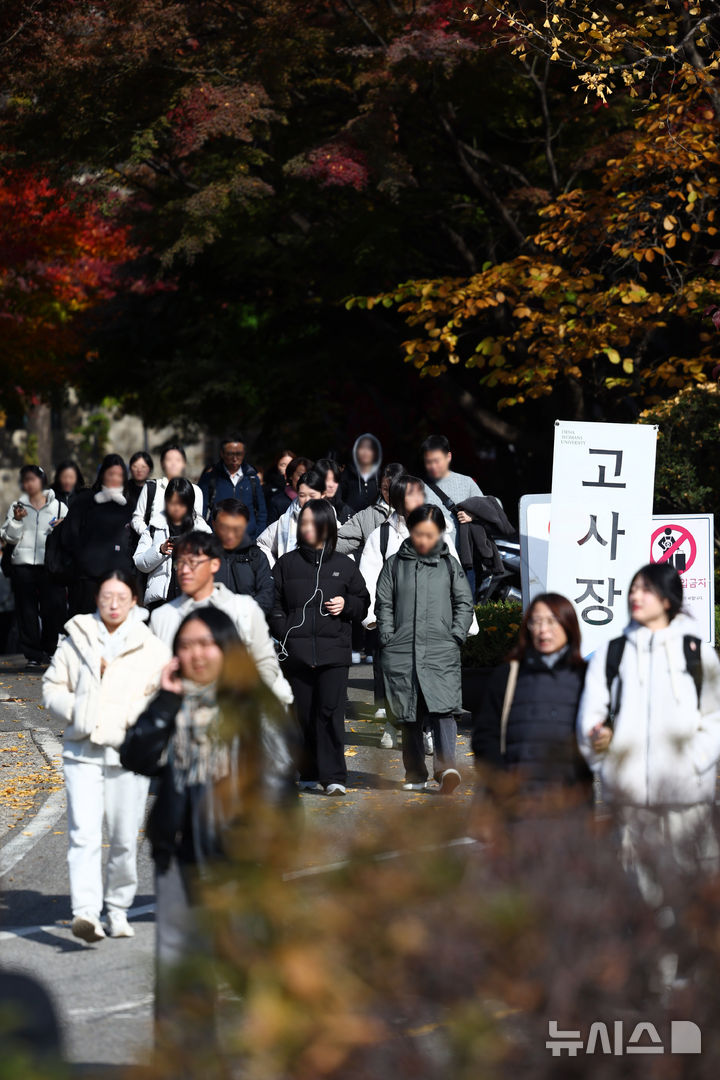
[{"x": 104, "y": 673}]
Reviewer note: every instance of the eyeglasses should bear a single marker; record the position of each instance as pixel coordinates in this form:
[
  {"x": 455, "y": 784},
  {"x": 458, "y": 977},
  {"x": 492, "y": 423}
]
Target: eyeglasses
[
  {"x": 120, "y": 601},
  {"x": 538, "y": 624},
  {"x": 203, "y": 643},
  {"x": 190, "y": 562}
]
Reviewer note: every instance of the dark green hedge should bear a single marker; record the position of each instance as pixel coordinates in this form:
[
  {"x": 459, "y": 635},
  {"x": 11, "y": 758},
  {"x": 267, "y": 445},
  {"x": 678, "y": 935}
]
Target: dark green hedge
[{"x": 499, "y": 624}]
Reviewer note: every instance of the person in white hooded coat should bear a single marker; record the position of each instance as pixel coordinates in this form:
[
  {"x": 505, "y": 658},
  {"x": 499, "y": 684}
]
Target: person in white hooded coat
[
  {"x": 281, "y": 535},
  {"x": 652, "y": 738},
  {"x": 103, "y": 675}
]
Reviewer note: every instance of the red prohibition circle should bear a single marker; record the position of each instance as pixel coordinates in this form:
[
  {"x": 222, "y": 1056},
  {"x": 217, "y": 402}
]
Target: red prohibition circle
[{"x": 685, "y": 537}]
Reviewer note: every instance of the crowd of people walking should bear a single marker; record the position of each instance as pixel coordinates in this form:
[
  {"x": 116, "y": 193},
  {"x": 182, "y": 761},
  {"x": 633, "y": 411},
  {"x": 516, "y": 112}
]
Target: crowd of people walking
[{"x": 131, "y": 593}]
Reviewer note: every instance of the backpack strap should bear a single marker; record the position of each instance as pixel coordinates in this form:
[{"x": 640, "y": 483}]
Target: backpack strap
[
  {"x": 692, "y": 647},
  {"x": 615, "y": 651},
  {"x": 510, "y": 688},
  {"x": 150, "y": 491},
  {"x": 447, "y": 502},
  {"x": 254, "y": 483},
  {"x": 384, "y": 539}
]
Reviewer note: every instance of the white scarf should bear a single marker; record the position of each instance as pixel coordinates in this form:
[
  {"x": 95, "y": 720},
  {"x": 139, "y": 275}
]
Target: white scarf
[{"x": 108, "y": 494}]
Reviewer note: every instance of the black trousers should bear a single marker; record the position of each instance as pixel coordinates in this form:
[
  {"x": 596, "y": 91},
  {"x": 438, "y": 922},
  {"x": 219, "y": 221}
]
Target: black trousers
[
  {"x": 41, "y": 610},
  {"x": 320, "y": 695},
  {"x": 81, "y": 594},
  {"x": 444, "y": 732}
]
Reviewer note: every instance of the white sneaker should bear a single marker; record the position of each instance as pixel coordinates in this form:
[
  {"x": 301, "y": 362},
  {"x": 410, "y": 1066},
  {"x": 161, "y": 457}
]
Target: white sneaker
[
  {"x": 407, "y": 786},
  {"x": 335, "y": 789},
  {"x": 388, "y": 739},
  {"x": 118, "y": 925},
  {"x": 88, "y": 928},
  {"x": 356, "y": 658},
  {"x": 449, "y": 780},
  {"x": 309, "y": 785},
  {"x": 380, "y": 714},
  {"x": 429, "y": 744}
]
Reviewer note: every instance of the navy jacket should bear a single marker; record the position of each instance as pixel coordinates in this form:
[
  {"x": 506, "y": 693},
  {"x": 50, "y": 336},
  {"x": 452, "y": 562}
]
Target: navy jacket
[
  {"x": 216, "y": 485},
  {"x": 540, "y": 741}
]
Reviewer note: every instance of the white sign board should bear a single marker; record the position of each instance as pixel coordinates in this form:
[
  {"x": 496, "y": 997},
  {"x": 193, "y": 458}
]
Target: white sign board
[
  {"x": 693, "y": 558},
  {"x": 601, "y": 508}
]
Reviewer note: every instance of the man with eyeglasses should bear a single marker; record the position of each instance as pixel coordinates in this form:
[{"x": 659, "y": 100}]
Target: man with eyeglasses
[
  {"x": 233, "y": 478},
  {"x": 198, "y": 557}
]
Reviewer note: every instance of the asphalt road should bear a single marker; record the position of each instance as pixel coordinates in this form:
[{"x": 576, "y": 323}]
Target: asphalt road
[{"x": 103, "y": 993}]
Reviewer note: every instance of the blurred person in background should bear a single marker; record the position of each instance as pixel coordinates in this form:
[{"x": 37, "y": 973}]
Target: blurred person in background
[
  {"x": 244, "y": 569},
  {"x": 40, "y": 605},
  {"x": 332, "y": 493},
  {"x": 96, "y": 535},
  {"x": 151, "y": 500},
  {"x": 281, "y": 536},
  {"x": 275, "y": 480},
  {"x": 282, "y": 499},
  {"x": 234, "y": 478},
  {"x": 68, "y": 481},
  {"x": 360, "y": 480},
  {"x": 154, "y": 553}
]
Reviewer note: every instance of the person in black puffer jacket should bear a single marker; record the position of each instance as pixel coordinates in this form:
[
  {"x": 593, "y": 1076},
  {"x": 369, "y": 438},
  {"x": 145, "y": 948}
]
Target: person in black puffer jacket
[
  {"x": 244, "y": 569},
  {"x": 360, "y": 484},
  {"x": 318, "y": 593},
  {"x": 534, "y": 739},
  {"x": 96, "y": 533}
]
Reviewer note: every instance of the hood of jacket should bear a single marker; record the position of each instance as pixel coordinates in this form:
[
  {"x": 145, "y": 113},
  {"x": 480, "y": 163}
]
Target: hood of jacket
[
  {"x": 378, "y": 447},
  {"x": 665, "y": 641},
  {"x": 84, "y": 630},
  {"x": 407, "y": 551},
  {"x": 24, "y": 498}
]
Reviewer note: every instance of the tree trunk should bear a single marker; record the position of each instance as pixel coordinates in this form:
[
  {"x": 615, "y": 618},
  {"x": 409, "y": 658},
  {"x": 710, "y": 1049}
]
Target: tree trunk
[{"x": 40, "y": 432}]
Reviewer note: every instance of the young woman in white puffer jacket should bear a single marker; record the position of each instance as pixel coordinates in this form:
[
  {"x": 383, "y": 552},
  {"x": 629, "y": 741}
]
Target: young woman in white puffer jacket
[
  {"x": 154, "y": 553},
  {"x": 653, "y": 736},
  {"x": 40, "y": 602},
  {"x": 102, "y": 677}
]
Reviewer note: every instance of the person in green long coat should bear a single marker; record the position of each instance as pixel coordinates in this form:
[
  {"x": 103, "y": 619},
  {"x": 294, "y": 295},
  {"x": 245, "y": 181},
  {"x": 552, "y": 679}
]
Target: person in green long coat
[{"x": 424, "y": 610}]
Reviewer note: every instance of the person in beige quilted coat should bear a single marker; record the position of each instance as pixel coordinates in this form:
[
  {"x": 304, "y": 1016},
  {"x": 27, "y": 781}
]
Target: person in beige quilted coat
[{"x": 103, "y": 674}]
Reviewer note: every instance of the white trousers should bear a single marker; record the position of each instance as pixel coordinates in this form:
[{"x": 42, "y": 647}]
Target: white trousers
[{"x": 96, "y": 790}]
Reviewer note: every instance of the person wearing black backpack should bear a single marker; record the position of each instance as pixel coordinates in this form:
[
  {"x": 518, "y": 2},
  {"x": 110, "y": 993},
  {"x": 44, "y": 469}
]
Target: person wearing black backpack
[
  {"x": 649, "y": 726},
  {"x": 233, "y": 478}
]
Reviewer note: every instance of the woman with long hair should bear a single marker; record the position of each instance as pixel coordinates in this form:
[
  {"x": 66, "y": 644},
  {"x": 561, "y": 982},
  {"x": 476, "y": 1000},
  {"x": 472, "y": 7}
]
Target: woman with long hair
[
  {"x": 216, "y": 739},
  {"x": 424, "y": 610},
  {"x": 318, "y": 593},
  {"x": 649, "y": 727},
  {"x": 154, "y": 553},
  {"x": 526, "y": 725},
  {"x": 96, "y": 535},
  {"x": 332, "y": 492},
  {"x": 102, "y": 676},
  {"x": 68, "y": 481}
]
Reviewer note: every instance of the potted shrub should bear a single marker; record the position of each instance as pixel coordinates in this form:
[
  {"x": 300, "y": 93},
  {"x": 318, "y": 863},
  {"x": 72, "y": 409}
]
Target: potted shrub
[{"x": 499, "y": 624}]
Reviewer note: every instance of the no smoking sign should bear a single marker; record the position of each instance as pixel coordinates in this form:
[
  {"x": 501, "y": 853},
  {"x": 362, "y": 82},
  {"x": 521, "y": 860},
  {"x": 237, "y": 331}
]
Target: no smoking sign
[{"x": 674, "y": 544}]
